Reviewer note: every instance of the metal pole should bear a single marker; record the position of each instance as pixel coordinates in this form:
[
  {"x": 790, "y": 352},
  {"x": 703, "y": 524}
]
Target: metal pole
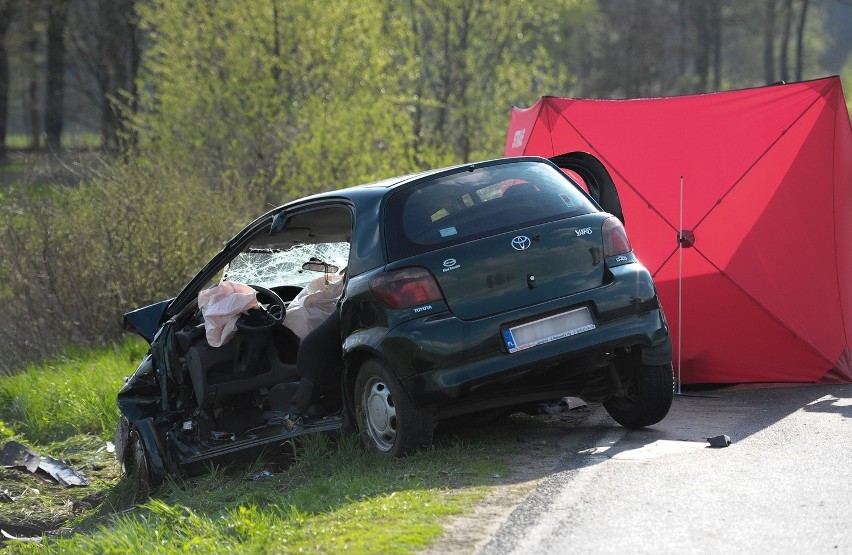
[{"x": 680, "y": 288}]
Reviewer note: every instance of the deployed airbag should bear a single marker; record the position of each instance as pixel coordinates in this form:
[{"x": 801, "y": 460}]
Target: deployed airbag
[{"x": 221, "y": 306}]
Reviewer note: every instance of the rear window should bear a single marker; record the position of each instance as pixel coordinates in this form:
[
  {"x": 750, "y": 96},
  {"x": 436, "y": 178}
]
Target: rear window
[{"x": 472, "y": 204}]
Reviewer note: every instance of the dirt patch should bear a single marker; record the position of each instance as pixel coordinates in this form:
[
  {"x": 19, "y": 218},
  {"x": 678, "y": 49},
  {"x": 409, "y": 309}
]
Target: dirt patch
[{"x": 539, "y": 448}]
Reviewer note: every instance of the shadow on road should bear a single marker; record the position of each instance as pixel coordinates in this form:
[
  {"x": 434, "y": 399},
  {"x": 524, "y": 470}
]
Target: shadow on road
[
  {"x": 737, "y": 412},
  {"x": 555, "y": 443}
]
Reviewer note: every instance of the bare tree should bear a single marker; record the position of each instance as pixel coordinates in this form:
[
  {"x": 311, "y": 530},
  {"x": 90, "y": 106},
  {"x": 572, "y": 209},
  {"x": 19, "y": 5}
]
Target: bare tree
[
  {"x": 105, "y": 40},
  {"x": 6, "y": 11},
  {"x": 716, "y": 26},
  {"x": 32, "y": 88},
  {"x": 785, "y": 41},
  {"x": 57, "y": 17},
  {"x": 800, "y": 34},
  {"x": 769, "y": 41}
]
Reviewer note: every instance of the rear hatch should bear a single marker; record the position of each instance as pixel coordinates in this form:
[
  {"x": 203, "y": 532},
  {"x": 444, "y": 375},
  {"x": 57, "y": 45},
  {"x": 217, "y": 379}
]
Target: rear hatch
[
  {"x": 521, "y": 267},
  {"x": 498, "y": 235}
]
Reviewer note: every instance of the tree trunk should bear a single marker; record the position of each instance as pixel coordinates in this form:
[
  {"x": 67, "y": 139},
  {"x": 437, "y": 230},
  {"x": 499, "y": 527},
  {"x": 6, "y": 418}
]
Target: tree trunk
[
  {"x": 701, "y": 20},
  {"x": 716, "y": 40},
  {"x": 35, "y": 115},
  {"x": 6, "y": 11},
  {"x": 444, "y": 92},
  {"x": 57, "y": 16},
  {"x": 135, "y": 60},
  {"x": 119, "y": 61},
  {"x": 785, "y": 41},
  {"x": 683, "y": 35},
  {"x": 463, "y": 85},
  {"x": 417, "y": 36},
  {"x": 769, "y": 41},
  {"x": 800, "y": 33}
]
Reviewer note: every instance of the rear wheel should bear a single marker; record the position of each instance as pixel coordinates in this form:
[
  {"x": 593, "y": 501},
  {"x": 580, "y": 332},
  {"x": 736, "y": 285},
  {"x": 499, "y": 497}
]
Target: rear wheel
[
  {"x": 388, "y": 419},
  {"x": 648, "y": 394}
]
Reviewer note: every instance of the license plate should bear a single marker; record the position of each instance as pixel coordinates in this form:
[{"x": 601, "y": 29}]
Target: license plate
[{"x": 548, "y": 329}]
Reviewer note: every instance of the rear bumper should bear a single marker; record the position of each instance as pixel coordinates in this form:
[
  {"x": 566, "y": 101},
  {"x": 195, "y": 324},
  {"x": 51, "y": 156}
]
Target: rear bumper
[
  {"x": 444, "y": 361},
  {"x": 521, "y": 372}
]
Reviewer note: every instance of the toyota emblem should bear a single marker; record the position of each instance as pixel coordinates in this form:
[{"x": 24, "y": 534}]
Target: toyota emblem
[{"x": 521, "y": 243}]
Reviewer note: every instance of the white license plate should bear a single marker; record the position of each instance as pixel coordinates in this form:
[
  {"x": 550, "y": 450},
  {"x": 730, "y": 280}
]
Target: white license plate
[{"x": 548, "y": 329}]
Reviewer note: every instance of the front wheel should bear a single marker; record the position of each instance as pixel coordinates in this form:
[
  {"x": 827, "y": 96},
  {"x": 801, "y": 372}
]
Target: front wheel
[
  {"x": 388, "y": 419},
  {"x": 648, "y": 394},
  {"x": 133, "y": 455}
]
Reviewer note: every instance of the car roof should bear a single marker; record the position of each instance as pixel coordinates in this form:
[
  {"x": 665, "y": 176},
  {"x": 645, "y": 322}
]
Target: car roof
[{"x": 384, "y": 186}]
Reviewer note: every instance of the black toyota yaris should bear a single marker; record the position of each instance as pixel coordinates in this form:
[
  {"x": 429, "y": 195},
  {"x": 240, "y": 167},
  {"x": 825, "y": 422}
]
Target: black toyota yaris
[{"x": 478, "y": 289}]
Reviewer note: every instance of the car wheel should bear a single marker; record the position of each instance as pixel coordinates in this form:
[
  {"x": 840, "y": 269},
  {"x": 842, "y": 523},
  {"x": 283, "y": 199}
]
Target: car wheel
[
  {"x": 388, "y": 419},
  {"x": 137, "y": 463},
  {"x": 649, "y": 392}
]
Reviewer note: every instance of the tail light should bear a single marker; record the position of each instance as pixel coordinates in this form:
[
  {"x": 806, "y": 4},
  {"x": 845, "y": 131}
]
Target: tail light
[
  {"x": 615, "y": 239},
  {"x": 406, "y": 287}
]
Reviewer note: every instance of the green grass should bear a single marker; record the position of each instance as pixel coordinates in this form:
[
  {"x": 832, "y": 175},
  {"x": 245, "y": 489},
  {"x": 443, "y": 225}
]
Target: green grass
[
  {"x": 14, "y": 166},
  {"x": 327, "y": 498},
  {"x": 334, "y": 498},
  {"x": 78, "y": 140},
  {"x": 19, "y": 140},
  {"x": 71, "y": 395}
]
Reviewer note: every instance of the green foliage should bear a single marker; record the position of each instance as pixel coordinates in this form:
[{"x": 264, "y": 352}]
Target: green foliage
[
  {"x": 6, "y": 432},
  {"x": 75, "y": 260},
  {"x": 306, "y": 96},
  {"x": 463, "y": 65},
  {"x": 281, "y": 94},
  {"x": 70, "y": 395}
]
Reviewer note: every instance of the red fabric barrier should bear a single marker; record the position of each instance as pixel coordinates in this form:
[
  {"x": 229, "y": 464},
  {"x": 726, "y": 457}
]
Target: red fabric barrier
[{"x": 767, "y": 193}]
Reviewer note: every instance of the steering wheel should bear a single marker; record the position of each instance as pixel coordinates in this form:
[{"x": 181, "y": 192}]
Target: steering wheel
[{"x": 270, "y": 316}]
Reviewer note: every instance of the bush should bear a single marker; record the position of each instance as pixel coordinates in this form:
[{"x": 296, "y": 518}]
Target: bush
[{"x": 74, "y": 260}]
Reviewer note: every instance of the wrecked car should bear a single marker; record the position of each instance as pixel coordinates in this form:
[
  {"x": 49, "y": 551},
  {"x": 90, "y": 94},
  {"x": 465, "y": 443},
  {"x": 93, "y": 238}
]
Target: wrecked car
[{"x": 470, "y": 291}]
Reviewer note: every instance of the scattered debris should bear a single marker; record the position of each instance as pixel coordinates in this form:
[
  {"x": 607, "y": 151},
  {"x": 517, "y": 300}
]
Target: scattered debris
[
  {"x": 563, "y": 405},
  {"x": 262, "y": 475},
  {"x": 19, "y": 456},
  {"x": 6, "y": 497},
  {"x": 109, "y": 447},
  {"x": 30, "y": 538},
  {"x": 719, "y": 441},
  {"x": 29, "y": 534}
]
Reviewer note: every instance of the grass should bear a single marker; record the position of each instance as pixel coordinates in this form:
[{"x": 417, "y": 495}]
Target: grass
[
  {"x": 327, "y": 498},
  {"x": 71, "y": 395},
  {"x": 335, "y": 497},
  {"x": 78, "y": 140}
]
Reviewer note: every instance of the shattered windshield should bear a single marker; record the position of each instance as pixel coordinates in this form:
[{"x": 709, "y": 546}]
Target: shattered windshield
[{"x": 276, "y": 267}]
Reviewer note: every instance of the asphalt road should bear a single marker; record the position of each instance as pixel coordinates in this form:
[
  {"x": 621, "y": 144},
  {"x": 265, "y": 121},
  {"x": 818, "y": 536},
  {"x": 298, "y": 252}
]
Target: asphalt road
[{"x": 784, "y": 485}]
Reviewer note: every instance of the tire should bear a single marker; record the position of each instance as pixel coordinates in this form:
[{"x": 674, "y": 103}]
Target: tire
[
  {"x": 650, "y": 390},
  {"x": 388, "y": 419},
  {"x": 137, "y": 462}
]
